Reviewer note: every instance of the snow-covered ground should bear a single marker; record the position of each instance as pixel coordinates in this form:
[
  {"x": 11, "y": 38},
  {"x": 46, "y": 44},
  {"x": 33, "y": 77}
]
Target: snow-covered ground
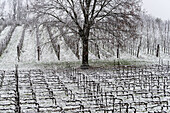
[
  {"x": 4, "y": 33},
  {"x": 144, "y": 89},
  {"x": 66, "y": 53},
  {"x": 47, "y": 52},
  {"x": 122, "y": 90},
  {"x": 29, "y": 52},
  {"x": 9, "y": 57}
]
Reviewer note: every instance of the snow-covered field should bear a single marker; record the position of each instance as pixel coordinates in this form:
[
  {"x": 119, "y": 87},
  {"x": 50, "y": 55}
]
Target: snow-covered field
[
  {"x": 122, "y": 89},
  {"x": 9, "y": 57},
  {"x": 4, "y": 33},
  {"x": 29, "y": 51}
]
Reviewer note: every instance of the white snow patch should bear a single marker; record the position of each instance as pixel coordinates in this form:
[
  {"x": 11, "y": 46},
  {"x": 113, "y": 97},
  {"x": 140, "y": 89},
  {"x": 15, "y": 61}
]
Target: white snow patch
[
  {"x": 47, "y": 51},
  {"x": 28, "y": 53},
  {"x": 10, "y": 54},
  {"x": 66, "y": 53},
  {"x": 4, "y": 33}
]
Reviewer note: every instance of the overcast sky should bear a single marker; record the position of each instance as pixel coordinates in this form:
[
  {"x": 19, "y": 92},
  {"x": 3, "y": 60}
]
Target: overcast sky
[{"x": 158, "y": 8}]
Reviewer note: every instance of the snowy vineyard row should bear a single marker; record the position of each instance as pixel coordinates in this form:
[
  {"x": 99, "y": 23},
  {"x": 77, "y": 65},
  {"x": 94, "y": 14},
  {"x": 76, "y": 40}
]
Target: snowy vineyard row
[
  {"x": 122, "y": 89},
  {"x": 26, "y": 44},
  {"x": 20, "y": 31},
  {"x": 4, "y": 42},
  {"x": 38, "y": 44}
]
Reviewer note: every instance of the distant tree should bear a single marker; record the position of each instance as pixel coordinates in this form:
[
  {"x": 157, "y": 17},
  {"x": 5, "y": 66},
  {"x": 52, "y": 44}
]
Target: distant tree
[
  {"x": 2, "y": 6},
  {"x": 19, "y": 10},
  {"x": 81, "y": 16}
]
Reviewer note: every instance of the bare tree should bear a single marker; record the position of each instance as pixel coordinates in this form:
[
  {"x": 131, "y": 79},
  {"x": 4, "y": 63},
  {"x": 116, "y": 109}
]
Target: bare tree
[
  {"x": 14, "y": 3},
  {"x": 2, "y": 6},
  {"x": 81, "y": 16}
]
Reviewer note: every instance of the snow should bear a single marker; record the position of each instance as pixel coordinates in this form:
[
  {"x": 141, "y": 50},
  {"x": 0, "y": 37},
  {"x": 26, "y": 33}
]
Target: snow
[
  {"x": 28, "y": 53},
  {"x": 47, "y": 86},
  {"x": 4, "y": 33},
  {"x": 10, "y": 54},
  {"x": 66, "y": 53},
  {"x": 47, "y": 52}
]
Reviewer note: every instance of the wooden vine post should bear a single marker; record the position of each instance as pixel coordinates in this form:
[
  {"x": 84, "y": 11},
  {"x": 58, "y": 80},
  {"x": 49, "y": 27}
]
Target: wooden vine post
[
  {"x": 17, "y": 99},
  {"x": 38, "y": 43}
]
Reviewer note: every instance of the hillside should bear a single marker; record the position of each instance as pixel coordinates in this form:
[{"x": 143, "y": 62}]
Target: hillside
[{"x": 29, "y": 55}]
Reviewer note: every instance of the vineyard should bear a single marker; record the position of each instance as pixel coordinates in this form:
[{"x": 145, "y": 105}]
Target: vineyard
[
  {"x": 117, "y": 89},
  {"x": 26, "y": 44},
  {"x": 121, "y": 89},
  {"x": 83, "y": 56}
]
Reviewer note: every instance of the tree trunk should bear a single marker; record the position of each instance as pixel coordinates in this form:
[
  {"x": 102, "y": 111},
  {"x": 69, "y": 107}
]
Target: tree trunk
[
  {"x": 84, "y": 34},
  {"x": 85, "y": 64},
  {"x": 157, "y": 52},
  {"x": 77, "y": 50},
  {"x": 38, "y": 42},
  {"x": 140, "y": 43},
  {"x": 97, "y": 49},
  {"x": 18, "y": 53},
  {"x": 38, "y": 51},
  {"x": 118, "y": 51},
  {"x": 148, "y": 49},
  {"x": 58, "y": 52}
]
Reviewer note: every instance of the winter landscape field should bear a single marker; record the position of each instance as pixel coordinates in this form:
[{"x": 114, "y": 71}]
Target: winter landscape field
[{"x": 83, "y": 56}]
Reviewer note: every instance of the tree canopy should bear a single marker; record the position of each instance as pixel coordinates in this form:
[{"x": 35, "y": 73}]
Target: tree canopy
[{"x": 80, "y": 16}]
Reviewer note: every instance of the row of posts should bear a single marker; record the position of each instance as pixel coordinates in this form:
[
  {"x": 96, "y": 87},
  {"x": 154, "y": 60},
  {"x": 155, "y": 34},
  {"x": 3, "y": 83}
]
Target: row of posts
[{"x": 19, "y": 48}]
